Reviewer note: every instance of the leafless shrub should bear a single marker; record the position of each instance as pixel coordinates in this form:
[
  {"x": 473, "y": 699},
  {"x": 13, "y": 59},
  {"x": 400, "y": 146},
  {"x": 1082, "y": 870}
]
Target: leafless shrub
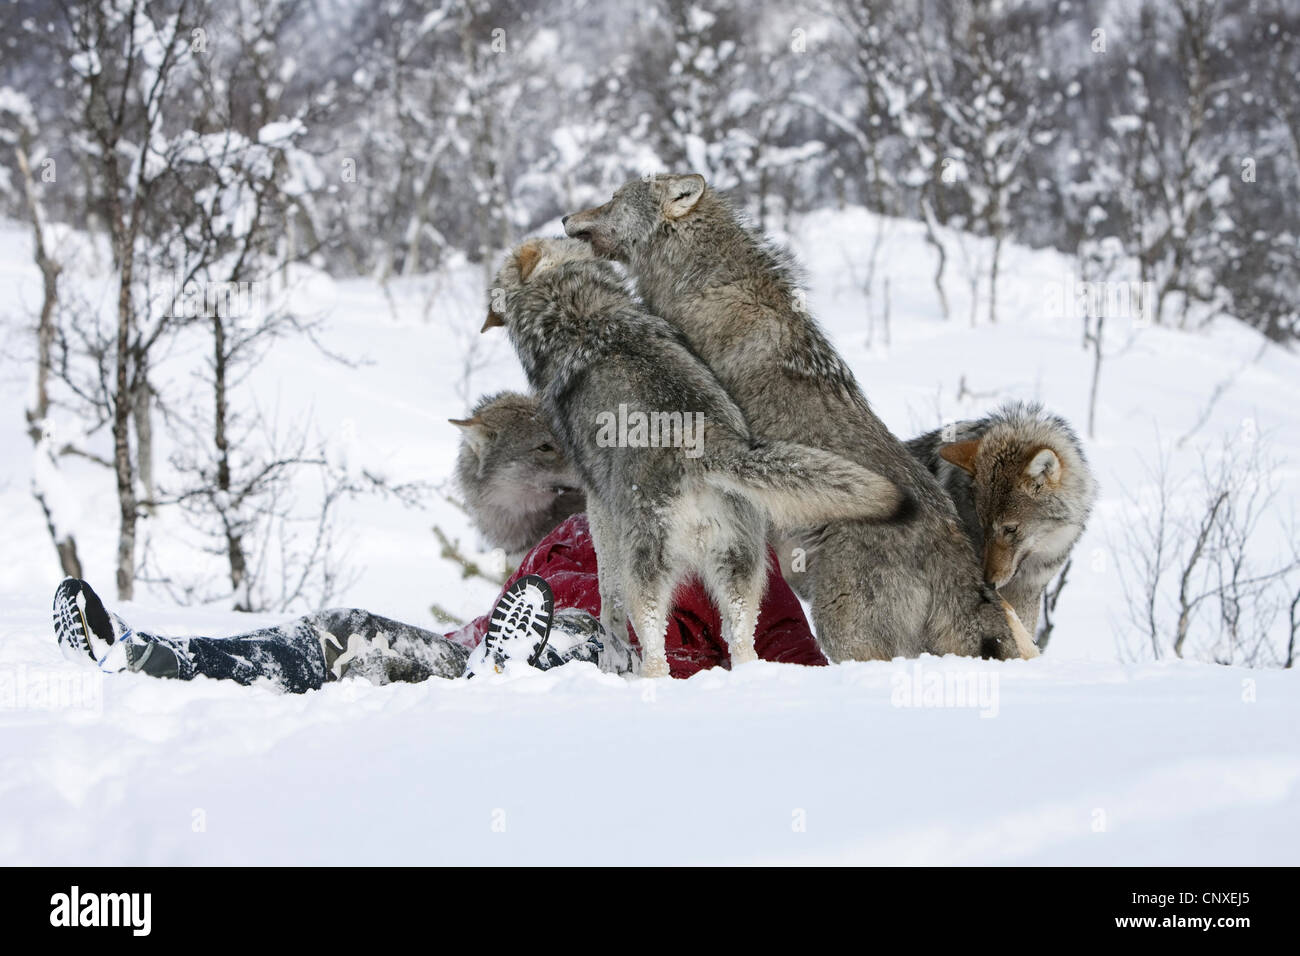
[
  {"x": 1051, "y": 597},
  {"x": 277, "y": 534},
  {"x": 1201, "y": 575}
]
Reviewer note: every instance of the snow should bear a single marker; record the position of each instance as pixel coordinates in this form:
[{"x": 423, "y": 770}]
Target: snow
[
  {"x": 284, "y": 131},
  {"x": 19, "y": 110},
  {"x": 1085, "y": 763},
  {"x": 1086, "y": 755}
]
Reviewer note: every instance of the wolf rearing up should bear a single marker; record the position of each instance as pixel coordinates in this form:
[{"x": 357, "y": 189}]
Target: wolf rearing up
[
  {"x": 659, "y": 512},
  {"x": 879, "y": 590}
]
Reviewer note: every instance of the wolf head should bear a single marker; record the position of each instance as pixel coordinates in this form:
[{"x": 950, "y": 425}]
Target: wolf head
[
  {"x": 550, "y": 294},
  {"x": 677, "y": 236},
  {"x": 1032, "y": 487},
  {"x": 515, "y": 293},
  {"x": 517, "y": 483},
  {"x": 527, "y": 262},
  {"x": 637, "y": 209}
]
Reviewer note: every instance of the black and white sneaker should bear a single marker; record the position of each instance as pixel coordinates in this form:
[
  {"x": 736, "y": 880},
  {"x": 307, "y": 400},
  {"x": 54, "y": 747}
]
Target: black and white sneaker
[
  {"x": 517, "y": 628},
  {"x": 85, "y": 628}
]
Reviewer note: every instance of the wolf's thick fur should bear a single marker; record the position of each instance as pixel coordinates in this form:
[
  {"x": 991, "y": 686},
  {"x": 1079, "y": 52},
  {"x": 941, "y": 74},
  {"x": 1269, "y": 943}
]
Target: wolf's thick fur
[
  {"x": 878, "y": 590},
  {"x": 517, "y": 483},
  {"x": 1024, "y": 491},
  {"x": 658, "y": 514}
]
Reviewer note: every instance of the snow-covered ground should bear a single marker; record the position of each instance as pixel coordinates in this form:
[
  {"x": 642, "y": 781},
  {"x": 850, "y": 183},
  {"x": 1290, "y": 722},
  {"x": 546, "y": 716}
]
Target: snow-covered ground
[{"x": 1083, "y": 756}]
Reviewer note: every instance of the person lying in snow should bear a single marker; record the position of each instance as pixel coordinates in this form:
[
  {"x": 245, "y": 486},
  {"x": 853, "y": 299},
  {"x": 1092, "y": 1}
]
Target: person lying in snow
[
  {"x": 547, "y": 615},
  {"x": 517, "y": 488}
]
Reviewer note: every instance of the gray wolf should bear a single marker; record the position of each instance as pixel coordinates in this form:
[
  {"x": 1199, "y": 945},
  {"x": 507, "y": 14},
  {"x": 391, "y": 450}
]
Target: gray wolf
[
  {"x": 516, "y": 482},
  {"x": 878, "y": 589},
  {"x": 1024, "y": 491},
  {"x": 660, "y": 511}
]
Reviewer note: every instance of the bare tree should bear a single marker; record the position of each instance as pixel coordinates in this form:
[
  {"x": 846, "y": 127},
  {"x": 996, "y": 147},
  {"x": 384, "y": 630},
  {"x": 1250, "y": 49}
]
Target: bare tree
[
  {"x": 125, "y": 63},
  {"x": 1199, "y": 578},
  {"x": 941, "y": 254},
  {"x": 982, "y": 64},
  {"x": 23, "y": 121},
  {"x": 1170, "y": 159},
  {"x": 1051, "y": 597},
  {"x": 1293, "y": 619}
]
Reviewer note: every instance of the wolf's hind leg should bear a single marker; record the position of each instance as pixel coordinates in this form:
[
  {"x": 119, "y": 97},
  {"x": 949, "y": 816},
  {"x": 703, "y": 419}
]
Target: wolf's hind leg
[
  {"x": 609, "y": 572},
  {"x": 739, "y": 623},
  {"x": 871, "y": 612},
  {"x": 650, "y": 593},
  {"x": 650, "y": 616},
  {"x": 738, "y": 587}
]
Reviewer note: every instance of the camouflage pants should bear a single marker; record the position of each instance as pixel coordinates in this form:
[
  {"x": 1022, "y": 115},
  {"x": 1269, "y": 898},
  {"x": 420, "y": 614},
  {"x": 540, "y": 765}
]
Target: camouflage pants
[{"x": 306, "y": 653}]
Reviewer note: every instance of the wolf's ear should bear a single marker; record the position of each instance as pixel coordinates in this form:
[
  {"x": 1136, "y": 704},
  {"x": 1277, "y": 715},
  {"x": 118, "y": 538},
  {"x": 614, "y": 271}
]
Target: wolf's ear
[
  {"x": 681, "y": 193},
  {"x": 493, "y": 319},
  {"x": 528, "y": 257},
  {"x": 477, "y": 432},
  {"x": 962, "y": 454},
  {"x": 1044, "y": 468}
]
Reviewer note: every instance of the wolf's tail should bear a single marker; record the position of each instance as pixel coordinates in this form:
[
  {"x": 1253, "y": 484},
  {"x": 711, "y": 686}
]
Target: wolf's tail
[{"x": 801, "y": 486}]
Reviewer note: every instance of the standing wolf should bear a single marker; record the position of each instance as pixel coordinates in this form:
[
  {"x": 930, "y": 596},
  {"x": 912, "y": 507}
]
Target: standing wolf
[
  {"x": 661, "y": 509},
  {"x": 879, "y": 590},
  {"x": 1023, "y": 489},
  {"x": 516, "y": 481}
]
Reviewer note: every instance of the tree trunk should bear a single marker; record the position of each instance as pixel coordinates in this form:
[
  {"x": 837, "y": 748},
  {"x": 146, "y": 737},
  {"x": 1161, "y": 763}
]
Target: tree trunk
[
  {"x": 142, "y": 417},
  {"x": 122, "y": 401},
  {"x": 932, "y": 237},
  {"x": 993, "y": 277},
  {"x": 974, "y": 282},
  {"x": 1295, "y": 626},
  {"x": 1096, "y": 376},
  {"x": 65, "y": 544},
  {"x": 415, "y": 226},
  {"x": 221, "y": 412}
]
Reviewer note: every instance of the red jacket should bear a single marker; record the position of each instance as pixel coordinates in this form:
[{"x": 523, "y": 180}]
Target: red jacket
[{"x": 567, "y": 560}]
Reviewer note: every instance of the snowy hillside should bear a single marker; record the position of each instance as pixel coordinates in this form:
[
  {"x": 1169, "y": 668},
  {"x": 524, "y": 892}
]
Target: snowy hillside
[{"x": 1092, "y": 754}]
